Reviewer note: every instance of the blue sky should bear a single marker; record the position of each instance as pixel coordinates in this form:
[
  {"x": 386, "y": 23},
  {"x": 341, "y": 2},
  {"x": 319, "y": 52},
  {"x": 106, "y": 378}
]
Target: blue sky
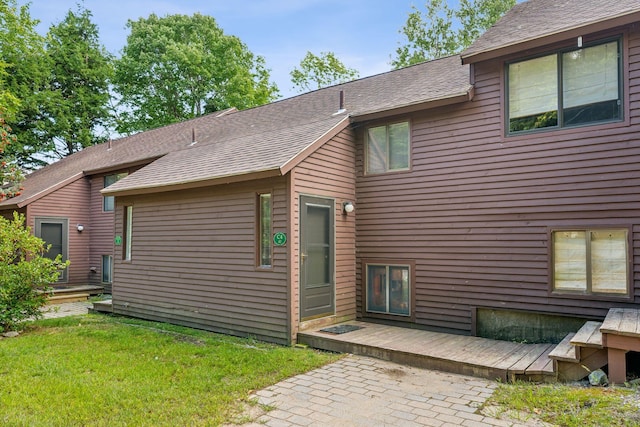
[{"x": 364, "y": 34}]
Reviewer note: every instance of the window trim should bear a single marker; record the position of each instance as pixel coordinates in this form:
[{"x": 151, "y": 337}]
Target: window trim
[
  {"x": 411, "y": 264},
  {"x": 259, "y": 241},
  {"x": 586, "y": 294},
  {"x": 127, "y": 232},
  {"x": 366, "y": 147},
  {"x": 102, "y": 278},
  {"x": 119, "y": 176},
  {"x": 620, "y": 38}
]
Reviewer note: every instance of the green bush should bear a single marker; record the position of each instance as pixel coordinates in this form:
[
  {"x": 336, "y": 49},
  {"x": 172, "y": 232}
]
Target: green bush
[{"x": 25, "y": 273}]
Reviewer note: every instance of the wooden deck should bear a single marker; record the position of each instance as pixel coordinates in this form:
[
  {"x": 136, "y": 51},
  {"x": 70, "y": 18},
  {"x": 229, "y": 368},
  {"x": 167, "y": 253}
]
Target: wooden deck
[
  {"x": 480, "y": 357},
  {"x": 620, "y": 334}
]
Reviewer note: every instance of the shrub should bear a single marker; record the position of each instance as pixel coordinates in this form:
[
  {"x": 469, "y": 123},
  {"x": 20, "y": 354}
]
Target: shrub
[{"x": 25, "y": 273}]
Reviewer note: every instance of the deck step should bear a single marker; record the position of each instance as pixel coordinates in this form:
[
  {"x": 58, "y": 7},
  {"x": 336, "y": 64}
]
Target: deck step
[
  {"x": 566, "y": 352},
  {"x": 543, "y": 365},
  {"x": 75, "y": 297},
  {"x": 588, "y": 336},
  {"x": 621, "y": 321},
  {"x": 590, "y": 360},
  {"x": 72, "y": 289},
  {"x": 105, "y": 306}
]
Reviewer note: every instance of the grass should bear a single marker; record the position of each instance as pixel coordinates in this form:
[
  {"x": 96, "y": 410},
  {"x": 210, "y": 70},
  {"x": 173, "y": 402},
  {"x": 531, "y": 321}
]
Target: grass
[
  {"x": 108, "y": 371},
  {"x": 569, "y": 405}
]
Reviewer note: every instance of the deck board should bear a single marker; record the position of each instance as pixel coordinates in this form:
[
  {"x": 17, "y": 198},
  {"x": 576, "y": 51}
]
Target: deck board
[
  {"x": 564, "y": 351},
  {"x": 462, "y": 354},
  {"x": 543, "y": 365},
  {"x": 588, "y": 336},
  {"x": 520, "y": 361},
  {"x": 612, "y": 321},
  {"x": 621, "y": 321}
]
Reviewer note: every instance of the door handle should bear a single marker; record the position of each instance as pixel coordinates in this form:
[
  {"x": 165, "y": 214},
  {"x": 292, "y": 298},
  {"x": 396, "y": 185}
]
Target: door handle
[{"x": 303, "y": 256}]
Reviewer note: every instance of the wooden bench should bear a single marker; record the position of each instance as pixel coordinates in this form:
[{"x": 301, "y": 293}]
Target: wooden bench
[{"x": 620, "y": 334}]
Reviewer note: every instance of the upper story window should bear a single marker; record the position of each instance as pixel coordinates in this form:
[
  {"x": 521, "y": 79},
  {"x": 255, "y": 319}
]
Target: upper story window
[
  {"x": 108, "y": 202},
  {"x": 387, "y": 148},
  {"x": 569, "y": 88}
]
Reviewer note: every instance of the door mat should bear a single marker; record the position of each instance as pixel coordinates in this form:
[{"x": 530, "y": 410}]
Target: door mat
[{"x": 341, "y": 329}]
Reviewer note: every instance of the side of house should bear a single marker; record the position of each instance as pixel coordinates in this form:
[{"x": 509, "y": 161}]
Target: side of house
[
  {"x": 61, "y": 218},
  {"x": 194, "y": 258},
  {"x": 102, "y": 227},
  {"x": 326, "y": 176},
  {"x": 239, "y": 258},
  {"x": 63, "y": 204},
  {"x": 511, "y": 213},
  {"x": 78, "y": 223}
]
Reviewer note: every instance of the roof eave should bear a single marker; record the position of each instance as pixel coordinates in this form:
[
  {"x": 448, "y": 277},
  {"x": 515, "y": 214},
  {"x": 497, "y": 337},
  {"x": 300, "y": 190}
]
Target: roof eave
[
  {"x": 121, "y": 166},
  {"x": 187, "y": 185},
  {"x": 420, "y": 106},
  {"x": 295, "y": 160},
  {"x": 24, "y": 202},
  {"x": 558, "y": 36}
]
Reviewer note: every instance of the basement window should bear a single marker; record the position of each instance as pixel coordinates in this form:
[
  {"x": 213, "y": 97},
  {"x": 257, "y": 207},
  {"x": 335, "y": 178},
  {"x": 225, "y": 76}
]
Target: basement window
[{"x": 591, "y": 261}]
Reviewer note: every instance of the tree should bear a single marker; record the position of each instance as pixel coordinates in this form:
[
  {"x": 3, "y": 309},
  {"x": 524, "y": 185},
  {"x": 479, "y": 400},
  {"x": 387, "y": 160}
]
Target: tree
[
  {"x": 75, "y": 105},
  {"x": 24, "y": 272},
  {"x": 11, "y": 176},
  {"x": 316, "y": 72},
  {"x": 179, "y": 67},
  {"x": 25, "y": 73},
  {"x": 9, "y": 104},
  {"x": 443, "y": 31}
]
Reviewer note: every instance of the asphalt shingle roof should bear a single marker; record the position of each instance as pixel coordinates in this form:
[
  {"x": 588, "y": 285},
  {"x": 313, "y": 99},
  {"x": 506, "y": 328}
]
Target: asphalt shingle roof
[
  {"x": 265, "y": 138},
  {"x": 536, "y": 19}
]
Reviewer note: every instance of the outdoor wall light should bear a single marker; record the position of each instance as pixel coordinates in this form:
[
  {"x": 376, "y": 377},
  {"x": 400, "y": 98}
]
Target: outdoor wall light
[
  {"x": 347, "y": 207},
  {"x": 80, "y": 227}
]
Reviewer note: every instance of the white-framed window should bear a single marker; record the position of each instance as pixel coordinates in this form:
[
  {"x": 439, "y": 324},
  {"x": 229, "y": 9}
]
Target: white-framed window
[
  {"x": 265, "y": 241},
  {"x": 388, "y": 289},
  {"x": 108, "y": 202},
  {"x": 568, "y": 88},
  {"x": 387, "y": 148},
  {"x": 107, "y": 269},
  {"x": 591, "y": 261}
]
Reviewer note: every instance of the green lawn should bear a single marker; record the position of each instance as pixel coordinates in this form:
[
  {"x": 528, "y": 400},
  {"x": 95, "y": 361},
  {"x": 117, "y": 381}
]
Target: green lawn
[
  {"x": 109, "y": 371},
  {"x": 569, "y": 405}
]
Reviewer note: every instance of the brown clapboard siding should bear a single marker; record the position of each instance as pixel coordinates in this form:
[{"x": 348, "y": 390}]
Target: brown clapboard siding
[
  {"x": 193, "y": 261},
  {"x": 329, "y": 172},
  {"x": 102, "y": 230},
  {"x": 475, "y": 210},
  {"x": 69, "y": 202},
  {"x": 102, "y": 226}
]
